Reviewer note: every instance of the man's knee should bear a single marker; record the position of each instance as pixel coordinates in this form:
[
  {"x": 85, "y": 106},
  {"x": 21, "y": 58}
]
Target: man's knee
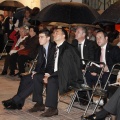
[{"x": 26, "y": 77}]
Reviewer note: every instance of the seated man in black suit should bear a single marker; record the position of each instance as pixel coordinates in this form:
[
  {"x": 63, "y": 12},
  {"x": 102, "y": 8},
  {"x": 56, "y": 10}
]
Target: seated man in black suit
[
  {"x": 43, "y": 69},
  {"x": 107, "y": 54},
  {"x": 86, "y": 51},
  {"x": 112, "y": 107},
  {"x": 67, "y": 74},
  {"x": 84, "y": 46}
]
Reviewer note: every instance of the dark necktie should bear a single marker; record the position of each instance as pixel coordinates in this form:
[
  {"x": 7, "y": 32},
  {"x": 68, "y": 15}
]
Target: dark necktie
[
  {"x": 79, "y": 49},
  {"x": 44, "y": 57},
  {"x": 44, "y": 51},
  {"x": 55, "y": 55}
]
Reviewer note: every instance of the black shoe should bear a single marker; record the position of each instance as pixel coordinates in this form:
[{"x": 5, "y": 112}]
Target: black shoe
[
  {"x": 14, "y": 107},
  {"x": 50, "y": 112},
  {"x": 37, "y": 107},
  {"x": 10, "y": 104},
  {"x": 7, "y": 103},
  {"x": 4, "y": 72},
  {"x": 93, "y": 117}
]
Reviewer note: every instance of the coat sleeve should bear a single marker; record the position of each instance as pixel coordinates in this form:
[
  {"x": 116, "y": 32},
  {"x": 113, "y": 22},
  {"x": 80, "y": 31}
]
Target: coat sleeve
[
  {"x": 70, "y": 72},
  {"x": 13, "y": 37}
]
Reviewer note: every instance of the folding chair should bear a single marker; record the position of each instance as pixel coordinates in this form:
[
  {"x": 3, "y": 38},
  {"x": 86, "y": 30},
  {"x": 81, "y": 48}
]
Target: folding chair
[
  {"x": 8, "y": 43},
  {"x": 31, "y": 64},
  {"x": 102, "y": 91},
  {"x": 83, "y": 87}
]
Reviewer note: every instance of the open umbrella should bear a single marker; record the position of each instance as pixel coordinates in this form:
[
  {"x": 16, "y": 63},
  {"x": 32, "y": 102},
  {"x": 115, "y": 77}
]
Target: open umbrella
[
  {"x": 67, "y": 12},
  {"x": 10, "y": 5},
  {"x": 20, "y": 12},
  {"x": 110, "y": 15},
  {"x": 73, "y": 25}
]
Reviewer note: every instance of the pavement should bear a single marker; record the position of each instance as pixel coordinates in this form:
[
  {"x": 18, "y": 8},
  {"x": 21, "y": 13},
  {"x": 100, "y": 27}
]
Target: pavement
[{"x": 8, "y": 88}]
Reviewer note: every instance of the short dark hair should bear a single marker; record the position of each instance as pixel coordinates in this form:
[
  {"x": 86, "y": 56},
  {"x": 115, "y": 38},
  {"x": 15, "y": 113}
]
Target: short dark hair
[
  {"x": 104, "y": 33},
  {"x": 46, "y": 32},
  {"x": 36, "y": 30},
  {"x": 64, "y": 32}
]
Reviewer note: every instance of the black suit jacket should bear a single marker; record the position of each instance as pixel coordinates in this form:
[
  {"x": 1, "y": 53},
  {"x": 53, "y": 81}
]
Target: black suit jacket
[
  {"x": 69, "y": 68},
  {"x": 50, "y": 60},
  {"x": 88, "y": 49},
  {"x": 112, "y": 55},
  {"x": 1, "y": 30},
  {"x": 6, "y": 25}
]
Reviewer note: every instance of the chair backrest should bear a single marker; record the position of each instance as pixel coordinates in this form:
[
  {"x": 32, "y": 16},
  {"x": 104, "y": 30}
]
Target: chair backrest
[
  {"x": 114, "y": 71},
  {"x": 31, "y": 64},
  {"x": 10, "y": 42}
]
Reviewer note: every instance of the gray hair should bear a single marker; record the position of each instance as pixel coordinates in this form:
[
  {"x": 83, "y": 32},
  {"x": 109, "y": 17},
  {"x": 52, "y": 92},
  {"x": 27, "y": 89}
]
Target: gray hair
[
  {"x": 25, "y": 28},
  {"x": 83, "y": 29}
]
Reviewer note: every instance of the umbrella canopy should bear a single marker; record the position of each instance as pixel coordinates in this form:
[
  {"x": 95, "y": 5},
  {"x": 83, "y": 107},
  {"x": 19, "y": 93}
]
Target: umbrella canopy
[
  {"x": 73, "y": 25},
  {"x": 10, "y": 5},
  {"x": 67, "y": 12},
  {"x": 20, "y": 12},
  {"x": 110, "y": 15}
]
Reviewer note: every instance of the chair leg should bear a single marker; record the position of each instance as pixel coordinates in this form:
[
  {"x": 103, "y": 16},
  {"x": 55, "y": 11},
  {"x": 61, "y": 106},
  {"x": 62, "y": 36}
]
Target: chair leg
[
  {"x": 4, "y": 51},
  {"x": 72, "y": 102}
]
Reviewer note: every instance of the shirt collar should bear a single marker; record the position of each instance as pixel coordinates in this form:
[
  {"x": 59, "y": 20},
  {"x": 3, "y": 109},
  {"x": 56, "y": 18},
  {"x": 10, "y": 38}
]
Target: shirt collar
[
  {"x": 46, "y": 46},
  {"x": 59, "y": 44},
  {"x": 104, "y": 47},
  {"x": 82, "y": 43}
]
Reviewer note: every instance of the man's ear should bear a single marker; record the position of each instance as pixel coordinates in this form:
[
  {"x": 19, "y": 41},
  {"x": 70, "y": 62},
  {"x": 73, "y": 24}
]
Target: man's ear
[
  {"x": 63, "y": 35},
  {"x": 106, "y": 38},
  {"x": 84, "y": 34},
  {"x": 48, "y": 38}
]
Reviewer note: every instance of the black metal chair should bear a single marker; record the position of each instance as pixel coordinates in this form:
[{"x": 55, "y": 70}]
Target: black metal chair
[
  {"x": 8, "y": 43},
  {"x": 31, "y": 64},
  {"x": 102, "y": 92}
]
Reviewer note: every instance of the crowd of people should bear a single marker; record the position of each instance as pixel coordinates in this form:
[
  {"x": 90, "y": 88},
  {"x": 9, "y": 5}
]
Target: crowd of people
[{"x": 59, "y": 63}]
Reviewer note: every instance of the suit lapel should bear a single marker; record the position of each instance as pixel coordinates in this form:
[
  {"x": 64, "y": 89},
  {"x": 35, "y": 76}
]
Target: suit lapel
[
  {"x": 49, "y": 50},
  {"x": 98, "y": 54},
  {"x": 84, "y": 49},
  {"x": 107, "y": 52},
  {"x": 61, "y": 51},
  {"x": 42, "y": 55},
  {"x": 62, "y": 48}
]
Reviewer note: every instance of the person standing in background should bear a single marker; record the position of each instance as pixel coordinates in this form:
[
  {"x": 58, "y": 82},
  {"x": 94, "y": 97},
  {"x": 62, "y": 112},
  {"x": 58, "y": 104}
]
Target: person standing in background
[{"x": 1, "y": 32}]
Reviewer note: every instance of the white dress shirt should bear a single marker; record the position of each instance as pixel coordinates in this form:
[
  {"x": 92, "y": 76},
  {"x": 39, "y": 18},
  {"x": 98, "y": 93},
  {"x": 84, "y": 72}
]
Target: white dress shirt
[
  {"x": 56, "y": 58},
  {"x": 82, "y": 45},
  {"x": 103, "y": 48}
]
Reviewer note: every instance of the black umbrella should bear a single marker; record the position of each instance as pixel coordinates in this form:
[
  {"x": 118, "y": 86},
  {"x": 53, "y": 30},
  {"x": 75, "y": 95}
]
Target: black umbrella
[
  {"x": 20, "y": 12},
  {"x": 110, "y": 15},
  {"x": 10, "y": 5},
  {"x": 67, "y": 12}
]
